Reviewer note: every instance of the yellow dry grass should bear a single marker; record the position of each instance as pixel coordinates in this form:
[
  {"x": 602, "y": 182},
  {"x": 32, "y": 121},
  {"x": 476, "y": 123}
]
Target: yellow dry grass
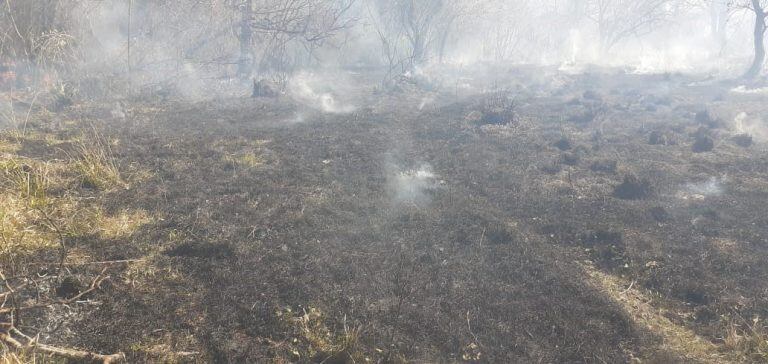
[
  {"x": 675, "y": 338},
  {"x": 123, "y": 224},
  {"x": 96, "y": 166},
  {"x": 316, "y": 341}
]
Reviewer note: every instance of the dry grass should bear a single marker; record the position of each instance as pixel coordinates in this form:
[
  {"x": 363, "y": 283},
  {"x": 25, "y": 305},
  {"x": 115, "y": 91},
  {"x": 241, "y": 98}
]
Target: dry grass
[
  {"x": 43, "y": 209},
  {"x": 122, "y": 225},
  {"x": 32, "y": 218},
  {"x": 241, "y": 153},
  {"x": 316, "y": 342},
  {"x": 675, "y": 338},
  {"x": 24, "y": 191},
  {"x": 13, "y": 358},
  {"x": 8, "y": 356},
  {"x": 246, "y": 160},
  {"x": 95, "y": 164},
  {"x": 748, "y": 338},
  {"x": 8, "y": 147}
]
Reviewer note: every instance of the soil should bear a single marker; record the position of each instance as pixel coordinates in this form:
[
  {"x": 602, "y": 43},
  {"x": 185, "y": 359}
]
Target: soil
[{"x": 520, "y": 249}]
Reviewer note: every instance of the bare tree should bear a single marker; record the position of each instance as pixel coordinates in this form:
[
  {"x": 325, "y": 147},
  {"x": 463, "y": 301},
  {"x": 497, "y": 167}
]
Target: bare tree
[
  {"x": 718, "y": 19},
  {"x": 283, "y": 28},
  {"x": 245, "y": 63},
  {"x": 758, "y": 8},
  {"x": 617, "y": 20},
  {"x": 421, "y": 28},
  {"x": 389, "y": 35}
]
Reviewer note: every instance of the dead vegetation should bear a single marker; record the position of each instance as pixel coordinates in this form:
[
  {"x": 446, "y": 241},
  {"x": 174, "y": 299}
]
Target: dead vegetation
[
  {"x": 541, "y": 239},
  {"x": 95, "y": 164},
  {"x": 497, "y": 108},
  {"x": 17, "y": 300},
  {"x": 633, "y": 188},
  {"x": 151, "y": 209},
  {"x": 46, "y": 212}
]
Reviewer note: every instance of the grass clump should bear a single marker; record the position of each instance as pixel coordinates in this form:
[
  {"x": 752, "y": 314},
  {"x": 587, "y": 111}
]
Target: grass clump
[
  {"x": 96, "y": 166},
  {"x": 249, "y": 159},
  {"x": 8, "y": 147},
  {"x": 9, "y": 357},
  {"x": 317, "y": 343},
  {"x": 123, "y": 224},
  {"x": 749, "y": 339}
]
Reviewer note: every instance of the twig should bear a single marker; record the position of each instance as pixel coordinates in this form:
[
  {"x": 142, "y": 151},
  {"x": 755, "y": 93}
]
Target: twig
[
  {"x": 29, "y": 113},
  {"x": 62, "y": 240},
  {"x": 95, "y": 284},
  {"x": 628, "y": 288},
  {"x": 106, "y": 262},
  {"x": 54, "y": 350},
  {"x": 8, "y": 329},
  {"x": 469, "y": 327}
]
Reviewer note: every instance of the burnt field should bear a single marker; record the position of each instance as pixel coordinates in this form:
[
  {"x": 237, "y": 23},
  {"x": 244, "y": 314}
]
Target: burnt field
[{"x": 602, "y": 217}]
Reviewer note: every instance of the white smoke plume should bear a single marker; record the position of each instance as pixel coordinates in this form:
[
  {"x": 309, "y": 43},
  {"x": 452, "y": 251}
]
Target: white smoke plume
[
  {"x": 321, "y": 92},
  {"x": 744, "y": 123},
  {"x": 413, "y": 185},
  {"x": 712, "y": 187}
]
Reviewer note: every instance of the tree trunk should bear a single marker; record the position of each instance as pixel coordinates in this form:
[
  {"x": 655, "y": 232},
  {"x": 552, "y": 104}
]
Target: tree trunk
[
  {"x": 245, "y": 63},
  {"x": 442, "y": 40},
  {"x": 719, "y": 18},
  {"x": 760, "y": 26}
]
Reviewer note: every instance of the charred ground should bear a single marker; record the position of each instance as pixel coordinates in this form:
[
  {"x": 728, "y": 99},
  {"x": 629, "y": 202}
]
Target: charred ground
[{"x": 576, "y": 231}]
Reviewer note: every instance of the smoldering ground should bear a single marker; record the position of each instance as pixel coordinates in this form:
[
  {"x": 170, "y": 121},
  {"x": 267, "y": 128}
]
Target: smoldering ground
[{"x": 335, "y": 181}]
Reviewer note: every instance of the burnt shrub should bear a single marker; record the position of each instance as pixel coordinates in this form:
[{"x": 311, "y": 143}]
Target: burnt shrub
[
  {"x": 703, "y": 143},
  {"x": 498, "y": 109},
  {"x": 658, "y": 137},
  {"x": 606, "y": 247},
  {"x": 264, "y": 88},
  {"x": 708, "y": 119},
  {"x": 570, "y": 159},
  {"x": 692, "y": 293},
  {"x": 743, "y": 140},
  {"x": 69, "y": 287},
  {"x": 551, "y": 168},
  {"x": 633, "y": 188},
  {"x": 660, "y": 214},
  {"x": 589, "y": 115},
  {"x": 499, "y": 235},
  {"x": 563, "y": 144},
  {"x": 604, "y": 166}
]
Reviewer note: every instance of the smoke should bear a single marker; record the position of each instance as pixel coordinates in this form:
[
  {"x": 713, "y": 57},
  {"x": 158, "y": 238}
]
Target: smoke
[
  {"x": 327, "y": 93},
  {"x": 413, "y": 185},
  {"x": 426, "y": 100},
  {"x": 190, "y": 49},
  {"x": 750, "y": 91},
  {"x": 743, "y": 123},
  {"x": 117, "y": 112},
  {"x": 712, "y": 187},
  {"x": 6, "y": 114}
]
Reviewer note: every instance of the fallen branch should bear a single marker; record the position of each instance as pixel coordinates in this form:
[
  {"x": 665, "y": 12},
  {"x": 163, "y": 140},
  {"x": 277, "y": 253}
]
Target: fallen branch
[
  {"x": 22, "y": 341},
  {"x": 95, "y": 284},
  {"x": 106, "y": 262},
  {"x": 73, "y": 354}
]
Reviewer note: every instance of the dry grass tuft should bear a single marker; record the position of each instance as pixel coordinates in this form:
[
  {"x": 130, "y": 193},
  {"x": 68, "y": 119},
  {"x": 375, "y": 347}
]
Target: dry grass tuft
[
  {"x": 8, "y": 356},
  {"x": 12, "y": 358},
  {"x": 8, "y": 147},
  {"x": 675, "y": 338},
  {"x": 122, "y": 225},
  {"x": 96, "y": 166},
  {"x": 318, "y": 343},
  {"x": 23, "y": 199},
  {"x": 749, "y": 339}
]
